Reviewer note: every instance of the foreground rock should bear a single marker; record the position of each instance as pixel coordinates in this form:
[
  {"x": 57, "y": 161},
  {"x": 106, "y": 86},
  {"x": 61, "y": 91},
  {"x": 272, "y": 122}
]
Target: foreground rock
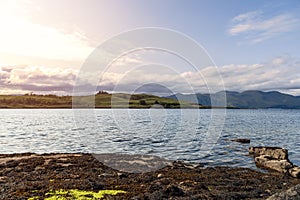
[
  {"x": 282, "y": 166},
  {"x": 23, "y": 176},
  {"x": 274, "y": 158},
  {"x": 290, "y": 194}
]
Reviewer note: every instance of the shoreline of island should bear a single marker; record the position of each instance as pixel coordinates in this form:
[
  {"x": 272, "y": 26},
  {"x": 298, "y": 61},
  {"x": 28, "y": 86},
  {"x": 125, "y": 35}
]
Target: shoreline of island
[{"x": 103, "y": 99}]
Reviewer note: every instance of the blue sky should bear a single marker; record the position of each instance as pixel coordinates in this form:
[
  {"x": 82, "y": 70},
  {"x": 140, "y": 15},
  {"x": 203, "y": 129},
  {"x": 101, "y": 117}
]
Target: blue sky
[
  {"x": 209, "y": 23},
  {"x": 44, "y": 43}
]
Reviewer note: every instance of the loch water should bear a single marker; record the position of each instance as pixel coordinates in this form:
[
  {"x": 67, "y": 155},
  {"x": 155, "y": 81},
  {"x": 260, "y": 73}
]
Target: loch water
[{"x": 177, "y": 134}]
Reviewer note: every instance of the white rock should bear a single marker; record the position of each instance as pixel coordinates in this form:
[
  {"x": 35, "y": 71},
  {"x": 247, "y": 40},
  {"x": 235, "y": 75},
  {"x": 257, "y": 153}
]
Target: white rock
[
  {"x": 295, "y": 172},
  {"x": 160, "y": 175}
]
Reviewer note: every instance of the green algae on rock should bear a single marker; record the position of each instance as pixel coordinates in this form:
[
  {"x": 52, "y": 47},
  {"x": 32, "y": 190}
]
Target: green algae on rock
[{"x": 78, "y": 194}]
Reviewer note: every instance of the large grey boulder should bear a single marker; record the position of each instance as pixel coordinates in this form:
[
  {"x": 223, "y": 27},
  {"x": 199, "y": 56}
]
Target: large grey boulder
[
  {"x": 290, "y": 194},
  {"x": 274, "y": 158},
  {"x": 268, "y": 162},
  {"x": 273, "y": 152}
]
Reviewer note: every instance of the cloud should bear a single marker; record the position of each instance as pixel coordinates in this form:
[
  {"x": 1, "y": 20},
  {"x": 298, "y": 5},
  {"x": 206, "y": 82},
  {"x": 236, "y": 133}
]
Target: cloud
[
  {"x": 21, "y": 79},
  {"x": 254, "y": 26},
  {"x": 246, "y": 16},
  {"x": 282, "y": 73}
]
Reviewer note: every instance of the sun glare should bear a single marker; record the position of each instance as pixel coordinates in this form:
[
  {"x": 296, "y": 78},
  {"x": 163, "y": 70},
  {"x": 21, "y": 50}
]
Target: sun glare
[{"x": 20, "y": 36}]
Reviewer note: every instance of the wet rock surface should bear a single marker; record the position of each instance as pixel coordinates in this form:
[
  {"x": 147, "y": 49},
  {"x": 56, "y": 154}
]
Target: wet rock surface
[
  {"x": 27, "y": 175},
  {"x": 295, "y": 172},
  {"x": 268, "y": 162},
  {"x": 241, "y": 140},
  {"x": 132, "y": 163},
  {"x": 273, "y": 152},
  {"x": 274, "y": 158}
]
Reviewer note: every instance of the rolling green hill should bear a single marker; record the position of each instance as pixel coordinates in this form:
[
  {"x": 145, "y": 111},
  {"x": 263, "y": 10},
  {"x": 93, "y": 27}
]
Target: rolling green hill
[
  {"x": 122, "y": 100},
  {"x": 101, "y": 100}
]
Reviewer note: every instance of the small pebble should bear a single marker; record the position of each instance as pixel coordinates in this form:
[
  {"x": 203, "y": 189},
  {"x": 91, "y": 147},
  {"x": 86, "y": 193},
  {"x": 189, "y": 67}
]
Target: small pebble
[
  {"x": 268, "y": 191},
  {"x": 121, "y": 175},
  {"x": 105, "y": 174},
  {"x": 160, "y": 175}
]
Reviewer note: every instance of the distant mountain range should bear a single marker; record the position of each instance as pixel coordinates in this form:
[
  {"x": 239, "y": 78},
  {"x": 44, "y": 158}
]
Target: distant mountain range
[{"x": 246, "y": 99}]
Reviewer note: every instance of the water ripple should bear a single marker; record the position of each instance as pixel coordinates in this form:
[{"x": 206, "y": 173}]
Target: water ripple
[{"x": 165, "y": 133}]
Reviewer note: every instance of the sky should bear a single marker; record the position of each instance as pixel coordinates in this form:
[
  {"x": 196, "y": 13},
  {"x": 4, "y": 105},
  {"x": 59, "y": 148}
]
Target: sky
[{"x": 253, "y": 45}]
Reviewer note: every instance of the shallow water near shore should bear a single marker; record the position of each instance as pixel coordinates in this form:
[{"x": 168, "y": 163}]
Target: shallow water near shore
[{"x": 169, "y": 133}]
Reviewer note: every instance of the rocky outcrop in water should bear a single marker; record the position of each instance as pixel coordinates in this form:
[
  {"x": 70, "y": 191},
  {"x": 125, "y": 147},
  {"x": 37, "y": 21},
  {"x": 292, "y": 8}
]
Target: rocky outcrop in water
[
  {"x": 241, "y": 140},
  {"x": 274, "y": 152},
  {"x": 274, "y": 158}
]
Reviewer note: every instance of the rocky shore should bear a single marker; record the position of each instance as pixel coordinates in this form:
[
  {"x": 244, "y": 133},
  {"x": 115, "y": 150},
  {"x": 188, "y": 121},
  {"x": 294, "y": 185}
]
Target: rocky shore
[
  {"x": 71, "y": 176},
  {"x": 274, "y": 158}
]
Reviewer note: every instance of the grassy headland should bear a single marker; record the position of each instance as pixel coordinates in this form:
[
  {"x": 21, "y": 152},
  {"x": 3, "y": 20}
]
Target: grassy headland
[{"x": 100, "y": 100}]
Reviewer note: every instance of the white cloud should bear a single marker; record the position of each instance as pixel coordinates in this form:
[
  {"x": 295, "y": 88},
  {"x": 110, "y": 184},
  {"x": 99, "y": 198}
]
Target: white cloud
[
  {"x": 15, "y": 79},
  {"x": 278, "y": 61},
  {"x": 246, "y": 16},
  {"x": 281, "y": 73},
  {"x": 254, "y": 26}
]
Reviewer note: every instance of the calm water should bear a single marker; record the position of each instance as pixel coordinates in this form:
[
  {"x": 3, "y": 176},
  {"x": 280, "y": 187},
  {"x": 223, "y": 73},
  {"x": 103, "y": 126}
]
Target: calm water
[{"x": 172, "y": 134}]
